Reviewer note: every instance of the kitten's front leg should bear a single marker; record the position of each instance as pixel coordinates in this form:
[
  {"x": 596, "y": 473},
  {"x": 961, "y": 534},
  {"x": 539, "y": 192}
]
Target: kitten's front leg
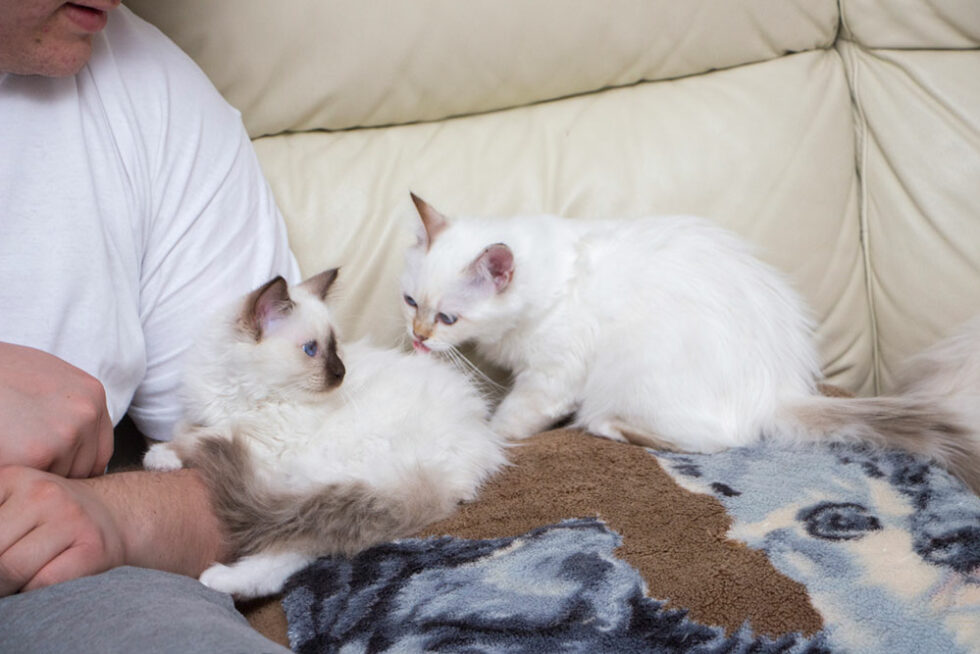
[
  {"x": 535, "y": 403},
  {"x": 162, "y": 456},
  {"x": 171, "y": 455}
]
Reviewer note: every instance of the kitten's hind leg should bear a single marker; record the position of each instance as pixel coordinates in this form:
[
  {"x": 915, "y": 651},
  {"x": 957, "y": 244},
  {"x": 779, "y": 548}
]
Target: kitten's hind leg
[
  {"x": 256, "y": 575},
  {"x": 618, "y": 430}
]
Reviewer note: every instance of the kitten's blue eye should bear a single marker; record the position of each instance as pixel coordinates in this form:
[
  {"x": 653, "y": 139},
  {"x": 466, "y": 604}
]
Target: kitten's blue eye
[
  {"x": 310, "y": 348},
  {"x": 446, "y": 319},
  {"x": 410, "y": 301}
]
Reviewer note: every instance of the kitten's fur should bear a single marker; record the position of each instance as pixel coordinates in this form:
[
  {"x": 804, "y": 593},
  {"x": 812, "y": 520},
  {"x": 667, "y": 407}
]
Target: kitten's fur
[
  {"x": 320, "y": 449},
  {"x": 663, "y": 331}
]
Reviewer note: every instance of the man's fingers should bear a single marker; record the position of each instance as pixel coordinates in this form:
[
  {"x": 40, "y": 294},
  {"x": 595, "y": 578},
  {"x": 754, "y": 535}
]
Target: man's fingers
[
  {"x": 62, "y": 463},
  {"x": 70, "y": 563},
  {"x": 15, "y": 519},
  {"x": 23, "y": 561},
  {"x": 17, "y": 522},
  {"x": 13, "y": 572},
  {"x": 83, "y": 461},
  {"x": 106, "y": 442},
  {"x": 91, "y": 452}
]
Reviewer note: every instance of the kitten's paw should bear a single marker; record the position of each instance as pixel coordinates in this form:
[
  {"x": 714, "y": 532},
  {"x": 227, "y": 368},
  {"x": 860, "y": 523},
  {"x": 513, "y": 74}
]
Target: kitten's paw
[
  {"x": 506, "y": 430},
  {"x": 607, "y": 429},
  {"x": 511, "y": 435},
  {"x": 161, "y": 457},
  {"x": 222, "y": 578},
  {"x": 618, "y": 430},
  {"x": 257, "y": 575}
]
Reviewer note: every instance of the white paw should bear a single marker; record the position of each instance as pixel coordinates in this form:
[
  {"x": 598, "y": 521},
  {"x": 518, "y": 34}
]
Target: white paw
[
  {"x": 607, "y": 429},
  {"x": 508, "y": 430},
  {"x": 222, "y": 578},
  {"x": 510, "y": 435},
  {"x": 161, "y": 457},
  {"x": 257, "y": 575}
]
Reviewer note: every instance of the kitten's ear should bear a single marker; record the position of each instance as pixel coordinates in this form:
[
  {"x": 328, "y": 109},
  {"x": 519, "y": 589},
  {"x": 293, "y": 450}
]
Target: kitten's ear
[
  {"x": 495, "y": 265},
  {"x": 320, "y": 284},
  {"x": 433, "y": 222},
  {"x": 265, "y": 306}
]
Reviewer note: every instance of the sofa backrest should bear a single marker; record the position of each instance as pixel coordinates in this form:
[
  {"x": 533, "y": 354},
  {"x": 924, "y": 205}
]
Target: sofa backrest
[{"x": 842, "y": 139}]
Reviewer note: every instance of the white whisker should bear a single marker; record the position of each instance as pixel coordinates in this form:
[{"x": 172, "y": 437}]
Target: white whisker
[
  {"x": 488, "y": 388},
  {"x": 453, "y": 357},
  {"x": 474, "y": 371}
]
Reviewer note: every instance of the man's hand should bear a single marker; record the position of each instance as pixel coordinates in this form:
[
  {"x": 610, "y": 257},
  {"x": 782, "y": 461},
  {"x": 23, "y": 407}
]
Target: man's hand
[
  {"x": 53, "y": 416},
  {"x": 52, "y": 529}
]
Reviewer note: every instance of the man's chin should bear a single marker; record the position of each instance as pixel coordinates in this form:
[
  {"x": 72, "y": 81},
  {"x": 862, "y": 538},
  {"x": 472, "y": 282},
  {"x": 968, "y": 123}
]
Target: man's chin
[{"x": 64, "y": 61}]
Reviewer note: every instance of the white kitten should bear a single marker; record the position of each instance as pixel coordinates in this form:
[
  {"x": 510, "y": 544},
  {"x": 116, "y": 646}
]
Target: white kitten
[
  {"x": 311, "y": 447},
  {"x": 665, "y": 331}
]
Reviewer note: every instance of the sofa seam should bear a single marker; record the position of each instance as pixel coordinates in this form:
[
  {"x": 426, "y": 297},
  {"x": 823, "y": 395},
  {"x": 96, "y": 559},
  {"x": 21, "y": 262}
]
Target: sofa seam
[{"x": 864, "y": 232}]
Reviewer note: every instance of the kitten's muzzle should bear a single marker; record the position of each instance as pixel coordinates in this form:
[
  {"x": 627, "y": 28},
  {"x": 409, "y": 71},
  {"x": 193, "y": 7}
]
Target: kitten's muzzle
[{"x": 333, "y": 368}]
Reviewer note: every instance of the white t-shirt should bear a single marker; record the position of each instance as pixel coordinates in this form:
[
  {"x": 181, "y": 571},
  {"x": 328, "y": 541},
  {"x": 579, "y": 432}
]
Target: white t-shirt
[{"x": 131, "y": 204}]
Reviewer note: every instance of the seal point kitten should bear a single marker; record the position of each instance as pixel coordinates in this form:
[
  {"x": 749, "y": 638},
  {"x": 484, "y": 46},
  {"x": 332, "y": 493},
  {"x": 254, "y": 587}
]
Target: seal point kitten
[{"x": 312, "y": 447}]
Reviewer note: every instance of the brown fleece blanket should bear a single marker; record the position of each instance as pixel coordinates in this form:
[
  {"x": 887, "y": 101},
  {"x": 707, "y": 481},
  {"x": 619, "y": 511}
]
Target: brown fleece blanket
[
  {"x": 669, "y": 534},
  {"x": 831, "y": 548}
]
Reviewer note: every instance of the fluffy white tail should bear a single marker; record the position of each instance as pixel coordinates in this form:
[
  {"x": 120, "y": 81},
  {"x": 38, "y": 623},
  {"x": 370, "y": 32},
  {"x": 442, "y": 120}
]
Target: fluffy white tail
[
  {"x": 919, "y": 425},
  {"x": 935, "y": 412}
]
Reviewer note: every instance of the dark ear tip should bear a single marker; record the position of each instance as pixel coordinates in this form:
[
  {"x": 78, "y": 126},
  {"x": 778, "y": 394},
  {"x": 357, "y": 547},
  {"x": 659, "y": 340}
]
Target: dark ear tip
[
  {"x": 271, "y": 297},
  {"x": 276, "y": 282},
  {"x": 321, "y": 282},
  {"x": 280, "y": 285}
]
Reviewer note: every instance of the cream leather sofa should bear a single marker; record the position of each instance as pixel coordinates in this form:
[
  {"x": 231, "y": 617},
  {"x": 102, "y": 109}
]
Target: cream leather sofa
[{"x": 842, "y": 138}]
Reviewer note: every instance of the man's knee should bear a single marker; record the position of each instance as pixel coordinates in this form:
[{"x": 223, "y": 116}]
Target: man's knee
[{"x": 127, "y": 609}]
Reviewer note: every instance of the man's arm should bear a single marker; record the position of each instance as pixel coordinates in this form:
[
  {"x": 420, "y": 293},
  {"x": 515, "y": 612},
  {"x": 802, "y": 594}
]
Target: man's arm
[{"x": 54, "y": 529}]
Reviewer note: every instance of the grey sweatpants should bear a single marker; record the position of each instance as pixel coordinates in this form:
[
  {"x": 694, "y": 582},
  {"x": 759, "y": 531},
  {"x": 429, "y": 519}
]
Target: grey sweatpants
[{"x": 127, "y": 610}]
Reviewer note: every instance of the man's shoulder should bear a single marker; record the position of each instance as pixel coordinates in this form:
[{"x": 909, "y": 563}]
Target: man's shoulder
[{"x": 154, "y": 71}]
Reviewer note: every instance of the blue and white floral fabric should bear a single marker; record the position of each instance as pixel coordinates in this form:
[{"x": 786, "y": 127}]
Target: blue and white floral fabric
[{"x": 887, "y": 546}]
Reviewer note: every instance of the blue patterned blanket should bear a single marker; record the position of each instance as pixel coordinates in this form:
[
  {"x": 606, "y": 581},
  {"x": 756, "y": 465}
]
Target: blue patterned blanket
[{"x": 830, "y": 549}]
